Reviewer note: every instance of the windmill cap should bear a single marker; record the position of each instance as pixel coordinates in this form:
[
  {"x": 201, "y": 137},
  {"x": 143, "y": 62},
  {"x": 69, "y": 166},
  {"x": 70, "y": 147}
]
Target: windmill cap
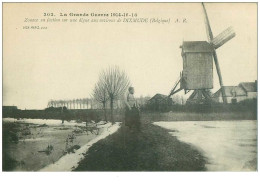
[{"x": 196, "y": 46}]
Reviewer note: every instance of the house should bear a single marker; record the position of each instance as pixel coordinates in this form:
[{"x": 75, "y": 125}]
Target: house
[
  {"x": 159, "y": 102},
  {"x": 245, "y": 90},
  {"x": 250, "y": 88}
]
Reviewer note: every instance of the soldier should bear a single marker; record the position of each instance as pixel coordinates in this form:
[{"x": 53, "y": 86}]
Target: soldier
[{"x": 132, "y": 117}]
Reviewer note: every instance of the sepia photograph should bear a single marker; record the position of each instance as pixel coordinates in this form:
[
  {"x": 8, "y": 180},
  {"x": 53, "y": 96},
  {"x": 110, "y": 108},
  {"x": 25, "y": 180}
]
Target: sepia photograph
[{"x": 129, "y": 87}]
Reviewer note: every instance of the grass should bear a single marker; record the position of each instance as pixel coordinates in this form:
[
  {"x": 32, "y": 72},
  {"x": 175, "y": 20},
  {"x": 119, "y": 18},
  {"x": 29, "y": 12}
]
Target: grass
[
  {"x": 9, "y": 133},
  {"x": 152, "y": 149},
  {"x": 192, "y": 116}
]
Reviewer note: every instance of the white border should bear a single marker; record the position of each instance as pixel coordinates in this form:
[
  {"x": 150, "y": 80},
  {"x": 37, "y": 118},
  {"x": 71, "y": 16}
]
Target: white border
[{"x": 127, "y": 180}]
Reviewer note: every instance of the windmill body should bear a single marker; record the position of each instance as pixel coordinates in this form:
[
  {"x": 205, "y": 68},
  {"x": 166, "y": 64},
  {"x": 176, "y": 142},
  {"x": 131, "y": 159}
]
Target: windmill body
[{"x": 197, "y": 65}]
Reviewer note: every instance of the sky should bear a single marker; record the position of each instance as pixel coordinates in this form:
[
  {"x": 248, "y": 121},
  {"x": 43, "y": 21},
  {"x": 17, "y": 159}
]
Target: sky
[{"x": 64, "y": 61}]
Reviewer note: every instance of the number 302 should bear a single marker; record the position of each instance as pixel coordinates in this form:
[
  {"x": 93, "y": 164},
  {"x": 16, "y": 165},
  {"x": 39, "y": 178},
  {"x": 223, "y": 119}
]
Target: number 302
[{"x": 48, "y": 14}]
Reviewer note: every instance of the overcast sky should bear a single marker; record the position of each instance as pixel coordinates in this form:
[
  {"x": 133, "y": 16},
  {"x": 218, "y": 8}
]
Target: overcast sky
[{"x": 64, "y": 61}]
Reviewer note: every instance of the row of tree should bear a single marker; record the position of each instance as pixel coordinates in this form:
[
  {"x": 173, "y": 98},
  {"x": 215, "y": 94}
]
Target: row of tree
[
  {"x": 101, "y": 100},
  {"x": 85, "y": 103}
]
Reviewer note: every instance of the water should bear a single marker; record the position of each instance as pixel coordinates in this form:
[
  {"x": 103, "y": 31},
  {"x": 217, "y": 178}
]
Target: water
[
  {"x": 227, "y": 145},
  {"x": 40, "y": 136}
]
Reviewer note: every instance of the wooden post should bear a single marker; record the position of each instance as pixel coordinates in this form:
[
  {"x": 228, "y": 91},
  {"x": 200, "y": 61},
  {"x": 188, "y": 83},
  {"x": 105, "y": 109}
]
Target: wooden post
[
  {"x": 193, "y": 95},
  {"x": 175, "y": 85},
  {"x": 214, "y": 55}
]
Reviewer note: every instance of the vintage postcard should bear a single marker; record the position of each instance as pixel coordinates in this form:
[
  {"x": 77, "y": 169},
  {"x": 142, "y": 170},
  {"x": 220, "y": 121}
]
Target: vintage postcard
[{"x": 129, "y": 87}]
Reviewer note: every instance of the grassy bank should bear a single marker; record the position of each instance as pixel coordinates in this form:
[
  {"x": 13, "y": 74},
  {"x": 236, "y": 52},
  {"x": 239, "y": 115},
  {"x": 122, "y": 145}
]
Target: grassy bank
[
  {"x": 152, "y": 149},
  {"x": 193, "y": 116},
  {"x": 9, "y": 136}
]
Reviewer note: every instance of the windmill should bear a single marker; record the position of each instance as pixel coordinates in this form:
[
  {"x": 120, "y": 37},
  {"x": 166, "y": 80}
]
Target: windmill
[{"x": 197, "y": 71}]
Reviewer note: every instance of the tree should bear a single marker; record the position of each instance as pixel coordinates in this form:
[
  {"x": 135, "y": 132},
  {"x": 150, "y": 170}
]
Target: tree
[
  {"x": 70, "y": 102},
  {"x": 67, "y": 103},
  {"x": 74, "y": 102},
  {"x": 100, "y": 95},
  {"x": 116, "y": 83},
  {"x": 77, "y": 103},
  {"x": 87, "y": 101},
  {"x": 80, "y": 103}
]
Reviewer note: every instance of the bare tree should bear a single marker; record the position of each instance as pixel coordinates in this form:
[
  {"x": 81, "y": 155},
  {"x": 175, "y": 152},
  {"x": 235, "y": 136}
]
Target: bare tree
[
  {"x": 91, "y": 103},
  {"x": 66, "y": 103},
  {"x": 86, "y": 103},
  {"x": 70, "y": 102},
  {"x": 50, "y": 103},
  {"x": 77, "y": 103},
  {"x": 73, "y": 101},
  {"x": 116, "y": 83},
  {"x": 100, "y": 95}
]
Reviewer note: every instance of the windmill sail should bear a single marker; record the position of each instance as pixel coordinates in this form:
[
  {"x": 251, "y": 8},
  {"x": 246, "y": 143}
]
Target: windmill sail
[
  {"x": 223, "y": 37},
  {"x": 210, "y": 34},
  {"x": 207, "y": 24}
]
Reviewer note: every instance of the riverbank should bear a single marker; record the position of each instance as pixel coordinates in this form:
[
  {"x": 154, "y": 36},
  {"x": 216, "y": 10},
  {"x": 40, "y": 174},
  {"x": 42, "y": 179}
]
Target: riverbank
[
  {"x": 70, "y": 161},
  {"x": 195, "y": 116},
  {"x": 152, "y": 149}
]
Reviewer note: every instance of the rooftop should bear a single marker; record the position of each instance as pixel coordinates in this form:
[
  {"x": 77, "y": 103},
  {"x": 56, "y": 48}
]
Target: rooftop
[
  {"x": 159, "y": 96},
  {"x": 249, "y": 86},
  {"x": 196, "y": 46},
  {"x": 230, "y": 90}
]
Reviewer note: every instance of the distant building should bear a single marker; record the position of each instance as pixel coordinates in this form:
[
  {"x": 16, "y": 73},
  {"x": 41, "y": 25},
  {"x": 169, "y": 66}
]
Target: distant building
[
  {"x": 159, "y": 102},
  {"x": 245, "y": 90},
  {"x": 250, "y": 88}
]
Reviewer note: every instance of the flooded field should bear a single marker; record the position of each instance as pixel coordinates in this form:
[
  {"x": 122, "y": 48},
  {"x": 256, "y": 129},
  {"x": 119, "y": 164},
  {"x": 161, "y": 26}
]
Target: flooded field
[
  {"x": 227, "y": 145},
  {"x": 36, "y": 143}
]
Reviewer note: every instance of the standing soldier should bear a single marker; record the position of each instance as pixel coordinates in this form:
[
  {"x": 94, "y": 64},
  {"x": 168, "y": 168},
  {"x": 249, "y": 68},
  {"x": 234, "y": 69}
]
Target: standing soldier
[{"x": 132, "y": 117}]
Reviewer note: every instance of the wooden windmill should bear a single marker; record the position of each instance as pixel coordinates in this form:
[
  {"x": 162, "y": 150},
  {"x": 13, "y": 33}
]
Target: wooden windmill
[{"x": 197, "y": 71}]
